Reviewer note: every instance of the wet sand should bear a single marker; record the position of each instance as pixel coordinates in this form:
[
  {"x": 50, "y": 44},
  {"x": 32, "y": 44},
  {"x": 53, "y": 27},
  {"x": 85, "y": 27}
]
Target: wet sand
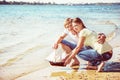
[
  {"x": 34, "y": 67},
  {"x": 67, "y": 73},
  {"x": 58, "y": 73},
  {"x": 47, "y": 72}
]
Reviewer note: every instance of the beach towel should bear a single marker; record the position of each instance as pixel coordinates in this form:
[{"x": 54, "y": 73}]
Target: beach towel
[{"x": 112, "y": 67}]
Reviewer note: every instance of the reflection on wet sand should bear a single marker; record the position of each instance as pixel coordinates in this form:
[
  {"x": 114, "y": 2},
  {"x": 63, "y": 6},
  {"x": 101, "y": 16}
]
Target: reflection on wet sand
[
  {"x": 85, "y": 75},
  {"x": 111, "y": 72}
]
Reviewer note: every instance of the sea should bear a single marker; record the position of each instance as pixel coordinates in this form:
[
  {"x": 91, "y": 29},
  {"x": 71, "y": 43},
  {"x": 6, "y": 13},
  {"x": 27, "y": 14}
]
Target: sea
[{"x": 28, "y": 32}]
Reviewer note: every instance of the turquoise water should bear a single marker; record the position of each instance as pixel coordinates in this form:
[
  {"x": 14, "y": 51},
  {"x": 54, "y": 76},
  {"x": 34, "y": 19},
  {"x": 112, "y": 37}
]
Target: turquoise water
[
  {"x": 23, "y": 27},
  {"x": 27, "y": 32},
  {"x": 22, "y": 22}
]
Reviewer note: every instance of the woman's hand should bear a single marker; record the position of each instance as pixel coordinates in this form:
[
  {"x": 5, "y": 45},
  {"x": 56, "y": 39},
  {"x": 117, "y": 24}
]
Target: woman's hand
[
  {"x": 101, "y": 38},
  {"x": 67, "y": 61}
]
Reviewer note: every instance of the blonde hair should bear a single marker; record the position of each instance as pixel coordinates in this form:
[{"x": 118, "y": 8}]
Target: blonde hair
[{"x": 67, "y": 22}]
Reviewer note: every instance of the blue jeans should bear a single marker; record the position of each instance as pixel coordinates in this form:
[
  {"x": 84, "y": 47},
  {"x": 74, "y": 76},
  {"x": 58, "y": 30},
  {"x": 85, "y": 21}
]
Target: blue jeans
[{"x": 86, "y": 53}]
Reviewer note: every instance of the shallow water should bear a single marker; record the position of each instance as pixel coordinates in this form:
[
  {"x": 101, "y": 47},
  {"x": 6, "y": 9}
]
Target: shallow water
[
  {"x": 27, "y": 32},
  {"x": 20, "y": 23}
]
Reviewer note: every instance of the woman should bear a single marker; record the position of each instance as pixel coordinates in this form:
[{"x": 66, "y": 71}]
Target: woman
[
  {"x": 95, "y": 53},
  {"x": 64, "y": 43}
]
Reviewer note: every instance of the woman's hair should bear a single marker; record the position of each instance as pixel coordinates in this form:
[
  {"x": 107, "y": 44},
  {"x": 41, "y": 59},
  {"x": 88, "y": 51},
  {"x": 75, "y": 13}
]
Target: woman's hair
[
  {"x": 68, "y": 22},
  {"x": 79, "y": 21}
]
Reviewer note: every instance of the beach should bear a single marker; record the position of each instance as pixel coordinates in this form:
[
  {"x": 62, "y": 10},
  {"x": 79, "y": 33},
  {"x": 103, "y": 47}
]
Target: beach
[
  {"x": 27, "y": 33},
  {"x": 22, "y": 70}
]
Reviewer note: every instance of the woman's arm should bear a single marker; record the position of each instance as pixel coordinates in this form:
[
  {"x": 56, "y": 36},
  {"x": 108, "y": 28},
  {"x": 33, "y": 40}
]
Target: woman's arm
[
  {"x": 76, "y": 50},
  {"x": 59, "y": 40}
]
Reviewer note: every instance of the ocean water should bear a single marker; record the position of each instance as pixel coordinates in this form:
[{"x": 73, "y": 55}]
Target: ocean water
[
  {"x": 30, "y": 30},
  {"x": 23, "y": 22}
]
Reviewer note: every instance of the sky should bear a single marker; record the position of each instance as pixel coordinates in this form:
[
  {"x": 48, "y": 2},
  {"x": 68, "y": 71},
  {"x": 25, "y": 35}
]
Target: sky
[{"x": 69, "y": 1}]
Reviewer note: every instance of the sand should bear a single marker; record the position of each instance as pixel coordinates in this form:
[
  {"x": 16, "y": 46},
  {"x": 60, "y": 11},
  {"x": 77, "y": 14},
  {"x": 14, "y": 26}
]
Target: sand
[
  {"x": 58, "y": 73},
  {"x": 31, "y": 66},
  {"x": 47, "y": 72}
]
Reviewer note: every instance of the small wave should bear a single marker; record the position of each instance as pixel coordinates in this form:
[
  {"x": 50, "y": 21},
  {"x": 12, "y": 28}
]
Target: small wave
[
  {"x": 110, "y": 22},
  {"x": 16, "y": 45},
  {"x": 115, "y": 37},
  {"x": 112, "y": 34},
  {"x": 20, "y": 56},
  {"x": 16, "y": 52}
]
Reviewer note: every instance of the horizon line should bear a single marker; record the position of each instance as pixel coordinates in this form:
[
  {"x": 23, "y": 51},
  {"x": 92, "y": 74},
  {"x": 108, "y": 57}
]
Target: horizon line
[{"x": 4, "y": 1}]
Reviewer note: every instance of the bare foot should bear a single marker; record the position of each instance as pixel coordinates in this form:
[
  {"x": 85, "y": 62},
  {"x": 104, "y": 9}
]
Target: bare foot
[
  {"x": 91, "y": 67},
  {"x": 75, "y": 64}
]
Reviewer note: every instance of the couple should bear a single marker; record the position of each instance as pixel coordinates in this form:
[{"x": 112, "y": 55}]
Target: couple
[{"x": 87, "y": 45}]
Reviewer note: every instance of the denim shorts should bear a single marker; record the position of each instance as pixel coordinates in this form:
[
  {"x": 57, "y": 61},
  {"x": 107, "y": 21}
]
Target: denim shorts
[
  {"x": 70, "y": 44},
  {"x": 106, "y": 56},
  {"x": 86, "y": 53}
]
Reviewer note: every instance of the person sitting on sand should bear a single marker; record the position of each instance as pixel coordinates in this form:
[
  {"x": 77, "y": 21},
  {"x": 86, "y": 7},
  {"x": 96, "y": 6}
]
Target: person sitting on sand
[
  {"x": 94, "y": 52},
  {"x": 69, "y": 46}
]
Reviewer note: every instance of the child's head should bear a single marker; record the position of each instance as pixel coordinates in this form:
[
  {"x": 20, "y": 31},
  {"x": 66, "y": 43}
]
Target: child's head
[
  {"x": 101, "y": 35},
  {"x": 78, "y": 21},
  {"x": 78, "y": 24},
  {"x": 68, "y": 23}
]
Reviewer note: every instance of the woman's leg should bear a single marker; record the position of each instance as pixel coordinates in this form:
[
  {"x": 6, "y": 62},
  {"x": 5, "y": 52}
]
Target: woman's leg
[
  {"x": 75, "y": 61},
  {"x": 68, "y": 47},
  {"x": 68, "y": 44},
  {"x": 91, "y": 56}
]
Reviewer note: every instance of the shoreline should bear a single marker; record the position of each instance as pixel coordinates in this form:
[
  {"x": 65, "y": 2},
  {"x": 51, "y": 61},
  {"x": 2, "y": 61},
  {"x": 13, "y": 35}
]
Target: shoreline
[
  {"x": 32, "y": 67},
  {"x": 63, "y": 73},
  {"x": 47, "y": 72},
  {"x": 43, "y": 71},
  {"x": 66, "y": 73}
]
